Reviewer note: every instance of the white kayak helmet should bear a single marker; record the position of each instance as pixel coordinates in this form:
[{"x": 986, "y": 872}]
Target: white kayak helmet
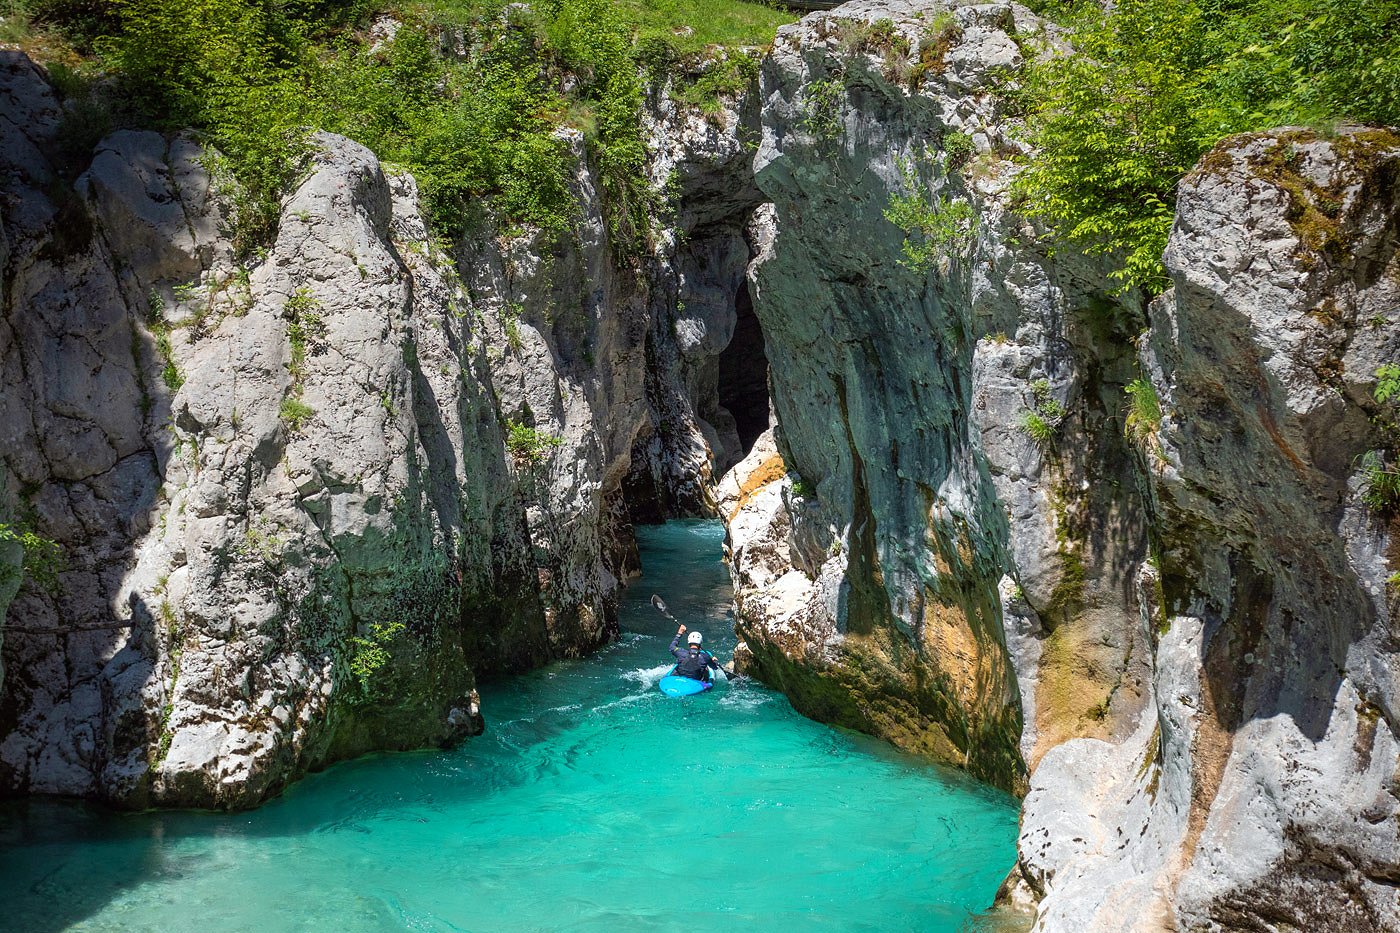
[{"x": 694, "y": 638}]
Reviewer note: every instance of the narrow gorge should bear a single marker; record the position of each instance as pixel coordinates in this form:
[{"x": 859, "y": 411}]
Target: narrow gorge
[{"x": 1118, "y": 549}]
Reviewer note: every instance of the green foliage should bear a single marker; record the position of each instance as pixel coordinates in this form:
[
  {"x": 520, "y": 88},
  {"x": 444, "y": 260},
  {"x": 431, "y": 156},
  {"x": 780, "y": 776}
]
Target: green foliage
[
  {"x": 1043, "y": 419},
  {"x": 1155, "y": 83},
  {"x": 726, "y": 77},
  {"x": 160, "y": 329},
  {"x": 940, "y": 34},
  {"x": 802, "y": 489},
  {"x": 527, "y": 446},
  {"x": 1144, "y": 415},
  {"x": 1387, "y": 383},
  {"x": 42, "y": 560},
  {"x": 1380, "y": 484},
  {"x": 370, "y": 653},
  {"x": 295, "y": 413},
  {"x": 935, "y": 228},
  {"x": 821, "y": 108},
  {"x": 858, "y": 36},
  {"x": 957, "y": 150},
  {"x": 480, "y": 132},
  {"x": 239, "y": 71},
  {"x": 306, "y": 331}
]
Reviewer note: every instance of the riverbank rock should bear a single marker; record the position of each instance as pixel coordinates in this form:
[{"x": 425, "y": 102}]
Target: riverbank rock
[
  {"x": 1179, "y": 645},
  {"x": 307, "y": 497},
  {"x": 921, "y": 513},
  {"x": 1262, "y": 783}
]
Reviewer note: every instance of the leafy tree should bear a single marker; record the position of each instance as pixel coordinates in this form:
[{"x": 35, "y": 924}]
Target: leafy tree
[{"x": 1153, "y": 84}]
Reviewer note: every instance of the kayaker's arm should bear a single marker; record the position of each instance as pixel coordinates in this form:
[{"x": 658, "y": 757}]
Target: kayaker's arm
[{"x": 676, "y": 643}]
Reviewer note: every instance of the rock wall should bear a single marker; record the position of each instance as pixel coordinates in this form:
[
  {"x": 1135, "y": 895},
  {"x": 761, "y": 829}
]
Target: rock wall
[
  {"x": 306, "y": 498},
  {"x": 1262, "y": 786},
  {"x": 913, "y": 497},
  {"x": 1184, "y": 643}
]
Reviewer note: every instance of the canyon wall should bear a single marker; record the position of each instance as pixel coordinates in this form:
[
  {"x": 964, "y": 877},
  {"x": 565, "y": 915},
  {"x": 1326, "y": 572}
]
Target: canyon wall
[
  {"x": 304, "y": 498},
  {"x": 1179, "y": 644}
]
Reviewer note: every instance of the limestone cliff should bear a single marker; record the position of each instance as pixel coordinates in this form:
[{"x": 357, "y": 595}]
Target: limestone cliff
[
  {"x": 1184, "y": 641},
  {"x": 305, "y": 498}
]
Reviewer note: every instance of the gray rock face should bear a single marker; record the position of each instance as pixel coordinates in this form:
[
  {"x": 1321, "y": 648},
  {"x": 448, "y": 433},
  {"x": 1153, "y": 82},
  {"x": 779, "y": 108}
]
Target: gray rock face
[
  {"x": 926, "y": 515},
  {"x": 1261, "y": 785},
  {"x": 1195, "y": 633},
  {"x": 304, "y": 500}
]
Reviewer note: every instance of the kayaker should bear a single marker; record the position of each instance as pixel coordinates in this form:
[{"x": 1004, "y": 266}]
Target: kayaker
[{"x": 692, "y": 661}]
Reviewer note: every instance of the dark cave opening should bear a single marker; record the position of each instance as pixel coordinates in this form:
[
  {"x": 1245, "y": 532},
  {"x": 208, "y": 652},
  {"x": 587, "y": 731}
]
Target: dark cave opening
[{"x": 743, "y": 374}]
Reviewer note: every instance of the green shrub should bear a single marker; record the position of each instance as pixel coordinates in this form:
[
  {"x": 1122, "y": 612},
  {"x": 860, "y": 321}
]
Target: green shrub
[
  {"x": 1387, "y": 383},
  {"x": 802, "y": 489},
  {"x": 369, "y": 654},
  {"x": 821, "y": 108},
  {"x": 1144, "y": 415},
  {"x": 1155, "y": 83},
  {"x": 934, "y": 227},
  {"x": 527, "y": 446},
  {"x": 479, "y": 133},
  {"x": 725, "y": 78},
  {"x": 236, "y": 70},
  {"x": 42, "y": 560},
  {"x": 957, "y": 150}
]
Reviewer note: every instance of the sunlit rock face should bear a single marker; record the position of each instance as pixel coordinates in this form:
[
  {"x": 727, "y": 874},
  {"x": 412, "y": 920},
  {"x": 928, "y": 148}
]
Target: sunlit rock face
[
  {"x": 923, "y": 517},
  {"x": 306, "y": 497},
  {"x": 1180, "y": 645},
  {"x": 1260, "y": 787}
]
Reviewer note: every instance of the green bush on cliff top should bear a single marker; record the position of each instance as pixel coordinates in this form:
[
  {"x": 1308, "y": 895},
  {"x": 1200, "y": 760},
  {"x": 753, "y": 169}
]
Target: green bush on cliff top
[
  {"x": 1155, "y": 83},
  {"x": 478, "y": 129}
]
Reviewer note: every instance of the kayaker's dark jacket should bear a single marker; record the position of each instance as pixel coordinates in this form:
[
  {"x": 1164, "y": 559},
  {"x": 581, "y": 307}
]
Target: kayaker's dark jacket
[{"x": 692, "y": 662}]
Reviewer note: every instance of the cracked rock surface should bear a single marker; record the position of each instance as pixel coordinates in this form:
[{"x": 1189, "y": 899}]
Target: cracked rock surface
[
  {"x": 1181, "y": 649},
  {"x": 298, "y": 496}
]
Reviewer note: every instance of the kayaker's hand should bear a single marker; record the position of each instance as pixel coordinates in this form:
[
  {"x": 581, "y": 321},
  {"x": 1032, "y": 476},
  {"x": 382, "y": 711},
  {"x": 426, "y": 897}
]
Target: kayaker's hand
[{"x": 681, "y": 630}]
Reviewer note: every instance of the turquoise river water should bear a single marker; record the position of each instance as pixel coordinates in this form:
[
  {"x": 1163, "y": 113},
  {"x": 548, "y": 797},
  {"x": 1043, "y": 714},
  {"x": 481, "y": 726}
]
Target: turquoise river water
[{"x": 592, "y": 802}]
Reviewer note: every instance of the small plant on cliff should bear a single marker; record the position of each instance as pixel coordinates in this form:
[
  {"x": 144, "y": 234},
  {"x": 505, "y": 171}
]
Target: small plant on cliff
[
  {"x": 370, "y": 652},
  {"x": 1387, "y": 383},
  {"x": 41, "y": 560},
  {"x": 295, "y": 413},
  {"x": 957, "y": 150},
  {"x": 1380, "y": 476},
  {"x": 821, "y": 109},
  {"x": 160, "y": 329},
  {"x": 802, "y": 489},
  {"x": 1045, "y": 415},
  {"x": 1144, "y": 415},
  {"x": 528, "y": 446},
  {"x": 306, "y": 330},
  {"x": 1380, "y": 484},
  {"x": 934, "y": 228},
  {"x": 940, "y": 35}
]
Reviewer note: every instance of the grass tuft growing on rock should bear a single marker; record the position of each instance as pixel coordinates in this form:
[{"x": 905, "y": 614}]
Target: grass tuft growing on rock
[{"x": 1143, "y": 419}]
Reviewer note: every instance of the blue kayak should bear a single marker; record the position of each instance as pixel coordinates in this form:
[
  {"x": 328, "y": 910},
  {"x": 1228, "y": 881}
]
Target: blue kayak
[{"x": 674, "y": 686}]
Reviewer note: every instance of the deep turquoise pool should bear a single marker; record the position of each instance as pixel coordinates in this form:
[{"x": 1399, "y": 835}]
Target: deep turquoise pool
[{"x": 591, "y": 803}]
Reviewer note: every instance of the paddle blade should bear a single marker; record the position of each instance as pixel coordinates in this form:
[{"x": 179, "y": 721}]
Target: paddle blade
[{"x": 661, "y": 606}]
